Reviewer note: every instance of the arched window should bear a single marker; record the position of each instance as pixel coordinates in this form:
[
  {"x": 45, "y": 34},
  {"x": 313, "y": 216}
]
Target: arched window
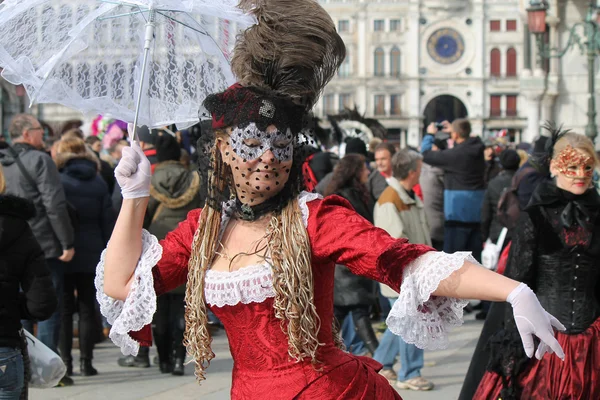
[
  {"x": 379, "y": 57},
  {"x": 395, "y": 62},
  {"x": 511, "y": 62},
  {"x": 100, "y": 87},
  {"x": 83, "y": 80},
  {"x": 65, "y": 72},
  {"x": 119, "y": 80},
  {"x": 190, "y": 79},
  {"x": 132, "y": 80},
  {"x": 48, "y": 22},
  {"x": 65, "y": 18},
  {"x": 495, "y": 62}
]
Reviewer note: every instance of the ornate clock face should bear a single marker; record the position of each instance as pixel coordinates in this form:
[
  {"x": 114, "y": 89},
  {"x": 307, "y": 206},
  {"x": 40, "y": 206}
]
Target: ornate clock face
[{"x": 446, "y": 46}]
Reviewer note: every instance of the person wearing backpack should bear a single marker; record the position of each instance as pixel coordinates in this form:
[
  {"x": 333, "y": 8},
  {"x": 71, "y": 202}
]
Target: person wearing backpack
[{"x": 491, "y": 226}]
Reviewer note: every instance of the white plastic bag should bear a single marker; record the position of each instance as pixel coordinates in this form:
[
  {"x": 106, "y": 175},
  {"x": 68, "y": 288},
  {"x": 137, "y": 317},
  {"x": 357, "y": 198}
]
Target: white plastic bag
[
  {"x": 491, "y": 252},
  {"x": 47, "y": 368}
]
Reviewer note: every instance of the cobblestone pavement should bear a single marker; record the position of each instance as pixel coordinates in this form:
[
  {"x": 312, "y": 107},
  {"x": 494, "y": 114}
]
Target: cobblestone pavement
[{"x": 446, "y": 368}]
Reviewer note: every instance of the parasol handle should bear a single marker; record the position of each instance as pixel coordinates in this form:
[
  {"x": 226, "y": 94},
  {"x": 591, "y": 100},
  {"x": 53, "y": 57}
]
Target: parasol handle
[{"x": 147, "y": 41}]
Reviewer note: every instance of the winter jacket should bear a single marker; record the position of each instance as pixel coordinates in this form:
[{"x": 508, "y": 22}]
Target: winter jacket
[
  {"x": 22, "y": 265},
  {"x": 528, "y": 183},
  {"x": 464, "y": 187},
  {"x": 490, "y": 227},
  {"x": 51, "y": 225},
  {"x": 376, "y": 185},
  {"x": 492, "y": 169},
  {"x": 402, "y": 216},
  {"x": 88, "y": 193},
  {"x": 107, "y": 172},
  {"x": 432, "y": 185},
  {"x": 350, "y": 289},
  {"x": 174, "y": 192}
]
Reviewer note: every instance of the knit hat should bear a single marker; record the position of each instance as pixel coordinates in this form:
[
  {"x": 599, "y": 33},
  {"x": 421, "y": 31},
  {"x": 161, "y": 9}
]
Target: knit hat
[
  {"x": 510, "y": 159},
  {"x": 167, "y": 148},
  {"x": 539, "y": 147},
  {"x": 356, "y": 146},
  {"x": 145, "y": 135}
]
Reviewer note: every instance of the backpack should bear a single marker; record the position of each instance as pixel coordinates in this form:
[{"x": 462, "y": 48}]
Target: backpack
[{"x": 508, "y": 209}]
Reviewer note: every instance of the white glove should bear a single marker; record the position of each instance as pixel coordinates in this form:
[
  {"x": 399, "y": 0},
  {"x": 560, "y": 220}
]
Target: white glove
[
  {"x": 133, "y": 173},
  {"x": 532, "y": 319}
]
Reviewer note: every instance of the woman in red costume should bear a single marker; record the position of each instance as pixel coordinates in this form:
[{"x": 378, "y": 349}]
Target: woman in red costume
[
  {"x": 264, "y": 260},
  {"x": 556, "y": 253}
]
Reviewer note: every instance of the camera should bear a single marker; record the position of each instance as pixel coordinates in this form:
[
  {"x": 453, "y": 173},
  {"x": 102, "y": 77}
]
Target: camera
[
  {"x": 441, "y": 140},
  {"x": 439, "y": 126}
]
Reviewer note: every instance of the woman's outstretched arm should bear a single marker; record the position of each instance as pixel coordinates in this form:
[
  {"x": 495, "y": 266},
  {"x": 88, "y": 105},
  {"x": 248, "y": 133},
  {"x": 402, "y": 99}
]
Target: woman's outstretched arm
[
  {"x": 124, "y": 248},
  {"x": 123, "y": 252}
]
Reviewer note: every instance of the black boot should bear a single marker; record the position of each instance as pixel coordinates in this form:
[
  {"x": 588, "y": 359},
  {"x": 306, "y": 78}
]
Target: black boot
[
  {"x": 165, "y": 367},
  {"x": 86, "y": 367},
  {"x": 178, "y": 367},
  {"x": 69, "y": 365},
  {"x": 178, "y": 358},
  {"x": 366, "y": 333}
]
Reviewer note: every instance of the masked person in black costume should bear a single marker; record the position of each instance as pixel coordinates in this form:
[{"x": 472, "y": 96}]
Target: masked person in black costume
[{"x": 556, "y": 252}]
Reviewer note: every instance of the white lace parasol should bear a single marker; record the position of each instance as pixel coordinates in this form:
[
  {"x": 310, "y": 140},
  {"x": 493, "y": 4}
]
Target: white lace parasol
[{"x": 89, "y": 54}]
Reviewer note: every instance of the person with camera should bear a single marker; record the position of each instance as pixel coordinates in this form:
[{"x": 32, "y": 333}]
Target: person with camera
[{"x": 464, "y": 185}]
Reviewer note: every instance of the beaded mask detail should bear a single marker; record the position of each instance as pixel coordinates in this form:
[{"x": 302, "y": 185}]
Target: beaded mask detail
[{"x": 574, "y": 164}]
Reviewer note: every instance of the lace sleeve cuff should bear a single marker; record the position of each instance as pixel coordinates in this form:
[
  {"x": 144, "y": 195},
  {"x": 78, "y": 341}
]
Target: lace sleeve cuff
[
  {"x": 422, "y": 319},
  {"x": 138, "y": 308}
]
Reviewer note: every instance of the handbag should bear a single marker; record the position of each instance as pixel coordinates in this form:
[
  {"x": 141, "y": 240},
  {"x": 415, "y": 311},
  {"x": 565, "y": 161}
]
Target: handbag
[
  {"x": 71, "y": 210},
  {"x": 47, "y": 368},
  {"x": 491, "y": 251}
]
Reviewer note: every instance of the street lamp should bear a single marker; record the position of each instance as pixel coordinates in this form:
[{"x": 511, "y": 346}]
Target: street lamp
[{"x": 536, "y": 18}]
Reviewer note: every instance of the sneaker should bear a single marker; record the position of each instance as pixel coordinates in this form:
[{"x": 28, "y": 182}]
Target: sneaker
[
  {"x": 389, "y": 374},
  {"x": 418, "y": 383}
]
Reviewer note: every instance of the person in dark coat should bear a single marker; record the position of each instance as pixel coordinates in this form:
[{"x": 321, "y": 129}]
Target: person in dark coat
[
  {"x": 22, "y": 266},
  {"x": 493, "y": 165},
  {"x": 533, "y": 175},
  {"x": 88, "y": 193},
  {"x": 353, "y": 146},
  {"x": 174, "y": 192},
  {"x": 490, "y": 227},
  {"x": 464, "y": 186},
  {"x": 353, "y": 293},
  {"x": 31, "y": 174}
]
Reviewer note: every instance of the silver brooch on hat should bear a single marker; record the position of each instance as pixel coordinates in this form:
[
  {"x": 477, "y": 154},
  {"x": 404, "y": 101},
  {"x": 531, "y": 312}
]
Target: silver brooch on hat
[{"x": 267, "y": 109}]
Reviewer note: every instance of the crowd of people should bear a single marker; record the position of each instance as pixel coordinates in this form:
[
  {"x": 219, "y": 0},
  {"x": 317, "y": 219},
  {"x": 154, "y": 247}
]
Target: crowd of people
[
  {"x": 65, "y": 188},
  {"x": 73, "y": 212}
]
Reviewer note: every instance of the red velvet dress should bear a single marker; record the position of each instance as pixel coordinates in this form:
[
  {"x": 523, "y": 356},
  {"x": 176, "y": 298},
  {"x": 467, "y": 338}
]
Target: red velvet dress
[{"x": 262, "y": 368}]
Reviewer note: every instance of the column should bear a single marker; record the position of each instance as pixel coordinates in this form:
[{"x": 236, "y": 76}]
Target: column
[
  {"x": 362, "y": 61},
  {"x": 533, "y": 117}
]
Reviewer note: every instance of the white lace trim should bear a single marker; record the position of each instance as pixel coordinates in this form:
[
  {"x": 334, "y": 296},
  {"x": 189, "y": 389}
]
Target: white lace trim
[
  {"x": 303, "y": 198},
  {"x": 418, "y": 317},
  {"x": 140, "y": 305},
  {"x": 251, "y": 284}
]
